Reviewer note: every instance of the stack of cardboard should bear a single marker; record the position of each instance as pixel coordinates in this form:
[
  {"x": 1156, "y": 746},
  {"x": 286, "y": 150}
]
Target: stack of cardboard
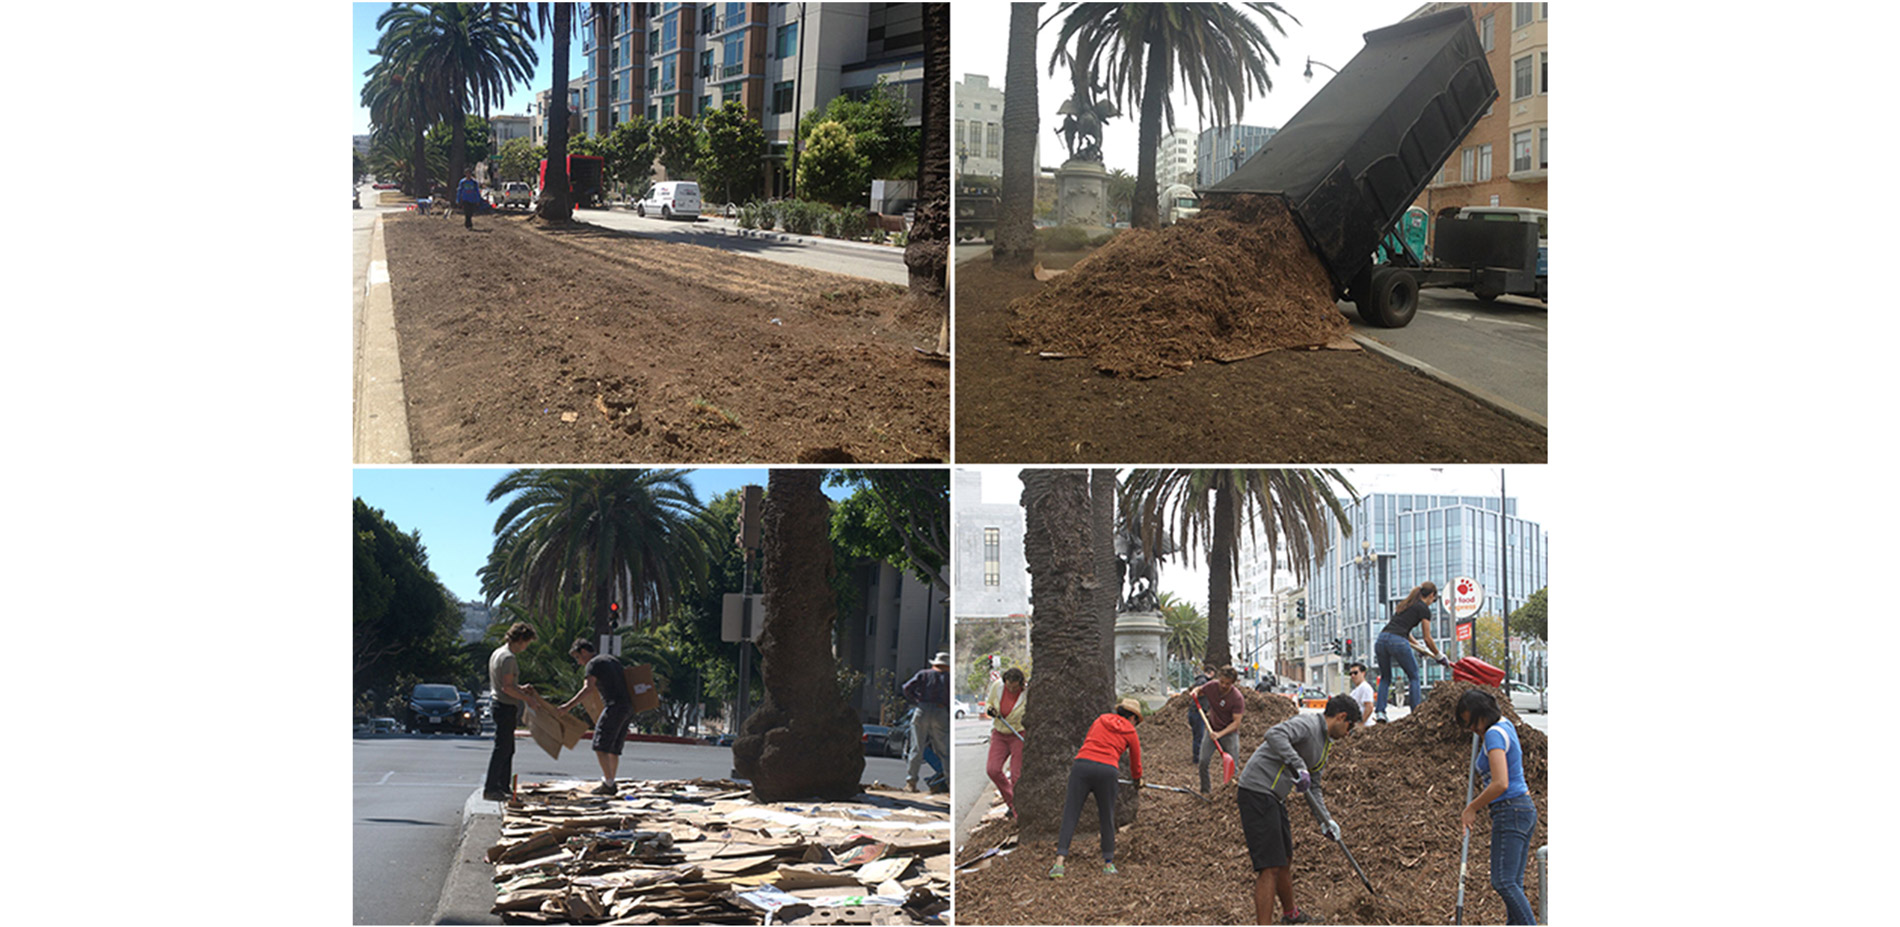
[{"x": 703, "y": 852}]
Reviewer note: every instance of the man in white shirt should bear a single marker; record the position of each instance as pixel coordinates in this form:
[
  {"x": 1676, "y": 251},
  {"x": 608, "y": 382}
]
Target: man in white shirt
[{"x": 1362, "y": 691}]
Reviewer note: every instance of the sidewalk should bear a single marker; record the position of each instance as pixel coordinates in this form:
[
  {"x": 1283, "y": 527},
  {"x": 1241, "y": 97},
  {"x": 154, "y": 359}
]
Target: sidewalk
[{"x": 468, "y": 894}]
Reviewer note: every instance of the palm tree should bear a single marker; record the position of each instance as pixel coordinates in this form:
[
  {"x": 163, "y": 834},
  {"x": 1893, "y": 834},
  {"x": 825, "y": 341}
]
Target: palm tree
[
  {"x": 1219, "y": 52},
  {"x": 623, "y": 538},
  {"x": 928, "y": 253},
  {"x": 1205, "y": 510},
  {"x": 557, "y": 21},
  {"x": 1187, "y": 627},
  {"x": 1060, "y": 522},
  {"x": 468, "y": 54},
  {"x": 401, "y": 116},
  {"x": 1015, "y": 223},
  {"x": 804, "y": 741}
]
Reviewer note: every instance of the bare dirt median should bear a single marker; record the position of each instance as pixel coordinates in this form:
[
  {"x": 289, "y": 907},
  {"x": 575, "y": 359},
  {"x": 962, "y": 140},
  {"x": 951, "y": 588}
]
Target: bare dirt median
[{"x": 526, "y": 344}]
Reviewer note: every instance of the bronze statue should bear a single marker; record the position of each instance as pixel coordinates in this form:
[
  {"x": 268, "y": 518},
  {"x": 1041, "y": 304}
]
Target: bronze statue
[{"x": 1083, "y": 114}]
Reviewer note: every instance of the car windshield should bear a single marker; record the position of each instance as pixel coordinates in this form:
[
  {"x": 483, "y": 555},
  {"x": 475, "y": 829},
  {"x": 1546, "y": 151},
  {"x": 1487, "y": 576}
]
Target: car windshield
[{"x": 437, "y": 693}]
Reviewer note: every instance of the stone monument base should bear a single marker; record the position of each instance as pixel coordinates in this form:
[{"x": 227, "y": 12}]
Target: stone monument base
[
  {"x": 1141, "y": 658},
  {"x": 1082, "y": 194}
]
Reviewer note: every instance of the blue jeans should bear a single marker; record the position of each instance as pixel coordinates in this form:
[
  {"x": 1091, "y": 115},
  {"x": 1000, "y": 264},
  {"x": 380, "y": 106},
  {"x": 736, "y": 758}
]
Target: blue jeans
[
  {"x": 1392, "y": 651},
  {"x": 1195, "y": 727},
  {"x": 1513, "y": 820},
  {"x": 929, "y": 730}
]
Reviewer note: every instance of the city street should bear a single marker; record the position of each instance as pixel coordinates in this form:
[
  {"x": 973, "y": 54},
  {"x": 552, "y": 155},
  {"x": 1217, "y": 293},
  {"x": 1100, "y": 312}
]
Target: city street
[
  {"x": 883, "y": 263},
  {"x": 1501, "y": 347},
  {"x": 409, "y": 791}
]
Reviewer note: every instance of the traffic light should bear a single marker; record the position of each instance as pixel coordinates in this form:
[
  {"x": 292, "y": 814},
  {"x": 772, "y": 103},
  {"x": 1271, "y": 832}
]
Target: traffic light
[
  {"x": 1336, "y": 649},
  {"x": 1349, "y": 646}
]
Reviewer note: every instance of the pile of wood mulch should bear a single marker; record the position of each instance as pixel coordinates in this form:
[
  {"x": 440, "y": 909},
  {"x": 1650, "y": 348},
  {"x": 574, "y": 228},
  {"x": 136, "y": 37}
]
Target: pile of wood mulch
[
  {"x": 1395, "y": 789},
  {"x": 703, "y": 852},
  {"x": 1234, "y": 282}
]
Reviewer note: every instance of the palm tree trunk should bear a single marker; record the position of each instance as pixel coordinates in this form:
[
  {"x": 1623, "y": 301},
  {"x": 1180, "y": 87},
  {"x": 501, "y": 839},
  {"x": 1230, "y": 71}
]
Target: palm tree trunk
[
  {"x": 421, "y": 157},
  {"x": 1015, "y": 225},
  {"x": 1220, "y": 573},
  {"x": 1147, "y": 211},
  {"x": 928, "y": 253},
  {"x": 804, "y": 740},
  {"x": 1107, "y": 586},
  {"x": 1065, "y": 643},
  {"x": 554, "y": 199}
]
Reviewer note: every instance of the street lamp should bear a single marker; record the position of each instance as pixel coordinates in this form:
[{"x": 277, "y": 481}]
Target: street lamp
[
  {"x": 963, "y": 160},
  {"x": 1309, "y": 68}
]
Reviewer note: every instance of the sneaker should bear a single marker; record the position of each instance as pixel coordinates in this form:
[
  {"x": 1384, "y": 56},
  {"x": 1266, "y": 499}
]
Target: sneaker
[
  {"x": 1298, "y": 917},
  {"x": 1057, "y": 871},
  {"x": 605, "y": 788},
  {"x": 910, "y": 785},
  {"x": 1380, "y": 717},
  {"x": 1109, "y": 869}
]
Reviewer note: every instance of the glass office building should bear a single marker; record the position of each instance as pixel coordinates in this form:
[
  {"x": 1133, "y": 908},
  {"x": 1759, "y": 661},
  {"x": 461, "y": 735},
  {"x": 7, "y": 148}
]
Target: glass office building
[{"x": 1400, "y": 540}]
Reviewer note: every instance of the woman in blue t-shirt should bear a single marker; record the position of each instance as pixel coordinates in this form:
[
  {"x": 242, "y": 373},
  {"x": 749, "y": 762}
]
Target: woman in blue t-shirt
[{"x": 1513, "y": 812}]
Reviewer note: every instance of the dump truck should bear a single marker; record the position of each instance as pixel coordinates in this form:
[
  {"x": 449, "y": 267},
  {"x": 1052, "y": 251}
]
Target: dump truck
[
  {"x": 1351, "y": 162},
  {"x": 584, "y": 179}
]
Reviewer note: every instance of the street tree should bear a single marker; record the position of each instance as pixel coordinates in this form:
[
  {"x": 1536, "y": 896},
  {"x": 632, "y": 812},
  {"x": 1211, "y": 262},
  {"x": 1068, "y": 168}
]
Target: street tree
[
  {"x": 1137, "y": 50},
  {"x": 619, "y": 537},
  {"x": 475, "y": 145},
  {"x": 1065, "y": 642},
  {"x": 399, "y": 114},
  {"x": 520, "y": 160},
  {"x": 545, "y": 664},
  {"x": 1015, "y": 246},
  {"x": 1187, "y": 628},
  {"x": 390, "y": 156},
  {"x": 927, "y": 255},
  {"x": 404, "y": 621},
  {"x": 556, "y": 21},
  {"x": 1205, "y": 511},
  {"x": 1121, "y": 192},
  {"x": 732, "y": 150},
  {"x": 469, "y": 55},
  {"x": 584, "y": 145},
  {"x": 831, "y": 170},
  {"x": 804, "y": 739},
  {"x": 876, "y": 124},
  {"x": 1532, "y": 617},
  {"x": 628, "y": 151},
  {"x": 676, "y": 143},
  {"x": 901, "y": 517}
]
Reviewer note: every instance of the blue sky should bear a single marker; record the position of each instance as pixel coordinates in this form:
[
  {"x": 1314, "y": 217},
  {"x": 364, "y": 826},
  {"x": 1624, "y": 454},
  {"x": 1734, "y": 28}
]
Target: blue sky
[
  {"x": 448, "y": 506},
  {"x": 363, "y": 37}
]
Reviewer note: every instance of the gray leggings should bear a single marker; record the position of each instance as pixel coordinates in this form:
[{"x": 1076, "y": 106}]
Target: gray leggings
[{"x": 1088, "y": 777}]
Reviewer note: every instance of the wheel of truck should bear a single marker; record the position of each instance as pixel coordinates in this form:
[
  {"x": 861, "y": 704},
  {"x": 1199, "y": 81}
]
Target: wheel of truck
[
  {"x": 640, "y": 210},
  {"x": 666, "y": 212},
  {"x": 1391, "y": 298},
  {"x": 1485, "y": 296}
]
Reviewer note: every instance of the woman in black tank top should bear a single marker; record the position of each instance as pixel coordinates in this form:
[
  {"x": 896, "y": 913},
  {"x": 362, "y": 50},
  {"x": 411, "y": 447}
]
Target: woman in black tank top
[{"x": 1394, "y": 646}]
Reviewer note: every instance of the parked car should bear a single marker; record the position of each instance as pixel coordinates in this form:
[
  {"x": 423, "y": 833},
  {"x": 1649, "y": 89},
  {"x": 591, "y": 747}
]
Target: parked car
[
  {"x": 438, "y": 707},
  {"x": 1526, "y": 698},
  {"x": 877, "y": 741},
  {"x": 671, "y": 199},
  {"x": 356, "y": 198},
  {"x": 512, "y": 195},
  {"x": 382, "y": 725},
  {"x": 960, "y": 708}
]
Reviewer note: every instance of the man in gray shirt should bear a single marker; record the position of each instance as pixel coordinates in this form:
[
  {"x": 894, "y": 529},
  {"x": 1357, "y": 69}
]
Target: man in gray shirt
[
  {"x": 509, "y": 696},
  {"x": 1288, "y": 760}
]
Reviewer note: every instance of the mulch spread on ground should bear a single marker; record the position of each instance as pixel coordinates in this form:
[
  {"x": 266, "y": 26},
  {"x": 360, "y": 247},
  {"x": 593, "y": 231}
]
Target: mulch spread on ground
[
  {"x": 1234, "y": 282},
  {"x": 527, "y": 344},
  {"x": 1395, "y": 789},
  {"x": 703, "y": 852},
  {"x": 1282, "y": 407}
]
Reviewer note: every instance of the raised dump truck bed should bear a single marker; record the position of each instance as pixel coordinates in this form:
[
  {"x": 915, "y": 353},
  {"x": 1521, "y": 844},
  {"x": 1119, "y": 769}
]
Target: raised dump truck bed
[{"x": 1361, "y": 151}]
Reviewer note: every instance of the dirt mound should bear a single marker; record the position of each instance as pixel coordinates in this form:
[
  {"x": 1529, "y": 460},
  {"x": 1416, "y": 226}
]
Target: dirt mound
[
  {"x": 1396, "y": 790},
  {"x": 1234, "y": 282}
]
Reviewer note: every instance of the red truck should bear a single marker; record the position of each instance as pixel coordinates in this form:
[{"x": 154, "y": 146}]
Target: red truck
[{"x": 585, "y": 175}]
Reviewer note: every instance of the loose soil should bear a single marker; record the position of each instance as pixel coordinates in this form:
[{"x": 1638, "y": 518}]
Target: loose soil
[
  {"x": 1296, "y": 405},
  {"x": 1396, "y": 790},
  {"x": 1234, "y": 282},
  {"x": 523, "y": 343}
]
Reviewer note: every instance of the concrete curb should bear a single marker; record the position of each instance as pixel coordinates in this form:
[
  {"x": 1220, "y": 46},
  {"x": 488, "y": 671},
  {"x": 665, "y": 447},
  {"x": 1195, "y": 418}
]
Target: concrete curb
[
  {"x": 1496, "y": 402},
  {"x": 468, "y": 893},
  {"x": 381, "y": 426}
]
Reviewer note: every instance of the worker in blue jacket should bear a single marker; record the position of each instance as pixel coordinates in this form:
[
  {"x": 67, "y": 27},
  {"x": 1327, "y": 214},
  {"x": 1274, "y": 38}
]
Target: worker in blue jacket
[{"x": 468, "y": 193}]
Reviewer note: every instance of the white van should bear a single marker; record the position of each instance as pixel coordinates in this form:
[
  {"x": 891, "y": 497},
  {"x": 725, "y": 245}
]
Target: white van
[{"x": 671, "y": 199}]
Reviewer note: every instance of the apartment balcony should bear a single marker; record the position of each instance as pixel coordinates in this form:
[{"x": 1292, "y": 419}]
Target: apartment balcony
[
  {"x": 731, "y": 70},
  {"x": 727, "y": 23}
]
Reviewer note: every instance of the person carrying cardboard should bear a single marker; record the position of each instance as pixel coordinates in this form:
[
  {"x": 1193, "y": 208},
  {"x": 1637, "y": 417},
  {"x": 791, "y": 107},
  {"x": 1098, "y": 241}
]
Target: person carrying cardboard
[{"x": 605, "y": 676}]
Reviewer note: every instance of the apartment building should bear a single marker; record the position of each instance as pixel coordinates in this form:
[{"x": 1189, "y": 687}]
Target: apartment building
[
  {"x": 977, "y": 145},
  {"x": 1223, "y": 149},
  {"x": 778, "y": 60},
  {"x": 1175, "y": 163},
  {"x": 1505, "y": 160}
]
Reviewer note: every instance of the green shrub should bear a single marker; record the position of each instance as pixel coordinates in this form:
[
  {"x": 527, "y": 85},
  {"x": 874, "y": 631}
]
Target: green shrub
[
  {"x": 800, "y": 217},
  {"x": 1062, "y": 238},
  {"x": 848, "y": 223}
]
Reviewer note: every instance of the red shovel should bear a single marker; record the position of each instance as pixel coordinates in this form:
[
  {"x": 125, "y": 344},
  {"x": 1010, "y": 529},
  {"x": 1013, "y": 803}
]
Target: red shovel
[{"x": 1226, "y": 759}]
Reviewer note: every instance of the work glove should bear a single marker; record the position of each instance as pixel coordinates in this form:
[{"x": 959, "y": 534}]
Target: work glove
[
  {"x": 1302, "y": 782},
  {"x": 1444, "y": 662},
  {"x": 1331, "y": 829}
]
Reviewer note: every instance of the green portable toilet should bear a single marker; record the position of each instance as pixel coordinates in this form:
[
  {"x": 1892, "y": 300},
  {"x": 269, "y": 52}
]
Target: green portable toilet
[{"x": 1413, "y": 229}]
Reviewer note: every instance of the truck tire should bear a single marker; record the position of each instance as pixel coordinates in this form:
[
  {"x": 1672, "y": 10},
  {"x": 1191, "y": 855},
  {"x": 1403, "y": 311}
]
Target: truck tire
[
  {"x": 1391, "y": 298},
  {"x": 640, "y": 210}
]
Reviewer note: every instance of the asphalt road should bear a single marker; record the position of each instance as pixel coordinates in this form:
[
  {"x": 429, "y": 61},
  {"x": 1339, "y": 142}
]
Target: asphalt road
[
  {"x": 1500, "y": 347},
  {"x": 409, "y": 792},
  {"x": 875, "y": 262}
]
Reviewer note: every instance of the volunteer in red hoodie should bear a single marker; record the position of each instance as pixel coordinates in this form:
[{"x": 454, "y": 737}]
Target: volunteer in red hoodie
[{"x": 1094, "y": 772}]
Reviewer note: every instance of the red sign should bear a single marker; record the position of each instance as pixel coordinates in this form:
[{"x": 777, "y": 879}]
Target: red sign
[{"x": 1464, "y": 631}]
